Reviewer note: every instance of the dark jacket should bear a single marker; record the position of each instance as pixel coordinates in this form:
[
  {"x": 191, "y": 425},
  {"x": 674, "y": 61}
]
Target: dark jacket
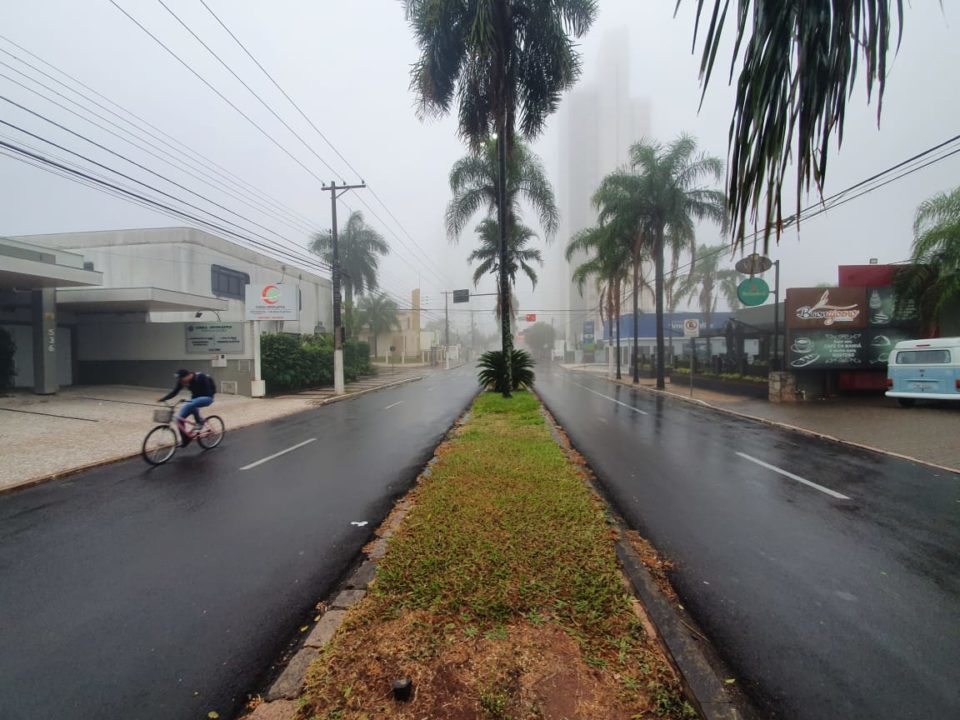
[{"x": 200, "y": 386}]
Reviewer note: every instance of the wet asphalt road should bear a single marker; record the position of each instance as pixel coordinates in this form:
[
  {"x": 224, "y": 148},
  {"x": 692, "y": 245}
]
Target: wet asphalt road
[
  {"x": 136, "y": 593},
  {"x": 824, "y": 607}
]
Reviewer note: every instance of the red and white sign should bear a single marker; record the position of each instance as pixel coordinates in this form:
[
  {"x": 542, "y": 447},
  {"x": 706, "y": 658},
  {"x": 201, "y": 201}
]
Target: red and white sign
[
  {"x": 531, "y": 317},
  {"x": 272, "y": 301}
]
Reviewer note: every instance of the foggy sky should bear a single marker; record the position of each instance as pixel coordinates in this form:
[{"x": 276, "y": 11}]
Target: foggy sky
[{"x": 347, "y": 65}]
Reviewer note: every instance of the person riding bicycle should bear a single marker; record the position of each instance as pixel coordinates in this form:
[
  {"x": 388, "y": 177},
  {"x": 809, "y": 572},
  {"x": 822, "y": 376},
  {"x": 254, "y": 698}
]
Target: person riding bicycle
[{"x": 202, "y": 388}]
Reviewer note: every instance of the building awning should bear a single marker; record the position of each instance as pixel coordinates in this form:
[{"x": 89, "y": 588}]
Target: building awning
[
  {"x": 135, "y": 300},
  {"x": 29, "y": 273}
]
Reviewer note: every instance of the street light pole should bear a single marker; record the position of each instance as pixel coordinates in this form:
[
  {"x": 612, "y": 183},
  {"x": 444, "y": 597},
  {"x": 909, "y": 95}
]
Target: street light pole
[{"x": 335, "y": 192}]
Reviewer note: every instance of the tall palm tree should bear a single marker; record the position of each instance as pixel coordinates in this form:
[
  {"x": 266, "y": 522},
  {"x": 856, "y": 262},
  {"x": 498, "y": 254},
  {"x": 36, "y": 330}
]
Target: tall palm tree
[
  {"x": 359, "y": 249},
  {"x": 505, "y": 62},
  {"x": 800, "y": 60},
  {"x": 932, "y": 281},
  {"x": 380, "y": 314},
  {"x": 608, "y": 264},
  {"x": 659, "y": 197},
  {"x": 708, "y": 281}
]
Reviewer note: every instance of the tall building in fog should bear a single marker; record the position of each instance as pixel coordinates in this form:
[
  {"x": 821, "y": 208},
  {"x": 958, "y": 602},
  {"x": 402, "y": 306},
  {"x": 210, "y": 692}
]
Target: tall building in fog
[{"x": 599, "y": 121}]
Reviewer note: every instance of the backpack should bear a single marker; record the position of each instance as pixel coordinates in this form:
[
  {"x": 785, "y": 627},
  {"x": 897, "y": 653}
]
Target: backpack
[{"x": 210, "y": 383}]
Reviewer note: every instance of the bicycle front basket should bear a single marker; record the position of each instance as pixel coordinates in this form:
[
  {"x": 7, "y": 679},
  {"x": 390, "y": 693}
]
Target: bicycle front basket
[{"x": 163, "y": 415}]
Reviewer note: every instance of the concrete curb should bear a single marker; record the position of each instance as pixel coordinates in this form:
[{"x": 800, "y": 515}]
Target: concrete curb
[
  {"x": 777, "y": 424},
  {"x": 60, "y": 474},
  {"x": 700, "y": 670}
]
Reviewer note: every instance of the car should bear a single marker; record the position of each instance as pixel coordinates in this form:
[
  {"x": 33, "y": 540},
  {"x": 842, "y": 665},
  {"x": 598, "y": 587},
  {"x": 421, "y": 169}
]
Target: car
[{"x": 924, "y": 369}]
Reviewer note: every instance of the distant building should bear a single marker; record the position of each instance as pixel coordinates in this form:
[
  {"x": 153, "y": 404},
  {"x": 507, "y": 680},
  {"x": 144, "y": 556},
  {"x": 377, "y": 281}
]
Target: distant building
[
  {"x": 599, "y": 121},
  {"x": 408, "y": 344},
  {"x": 148, "y": 302}
]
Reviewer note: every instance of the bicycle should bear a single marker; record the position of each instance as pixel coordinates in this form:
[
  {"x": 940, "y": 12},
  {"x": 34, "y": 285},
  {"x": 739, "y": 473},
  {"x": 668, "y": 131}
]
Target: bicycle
[{"x": 162, "y": 441}]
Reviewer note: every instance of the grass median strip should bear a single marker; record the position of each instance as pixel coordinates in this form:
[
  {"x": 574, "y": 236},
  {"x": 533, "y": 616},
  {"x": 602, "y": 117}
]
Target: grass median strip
[{"x": 500, "y": 595}]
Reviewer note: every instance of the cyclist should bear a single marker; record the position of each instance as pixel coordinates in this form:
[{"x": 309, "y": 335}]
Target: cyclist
[{"x": 202, "y": 387}]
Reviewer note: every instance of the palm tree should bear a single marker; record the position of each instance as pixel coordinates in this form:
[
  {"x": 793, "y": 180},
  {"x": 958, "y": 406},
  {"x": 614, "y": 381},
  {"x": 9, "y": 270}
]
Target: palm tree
[
  {"x": 380, "y": 314},
  {"x": 473, "y": 182},
  {"x": 708, "y": 282},
  {"x": 503, "y": 62},
  {"x": 519, "y": 256},
  {"x": 609, "y": 264},
  {"x": 657, "y": 200},
  {"x": 359, "y": 249},
  {"x": 799, "y": 63},
  {"x": 932, "y": 281}
]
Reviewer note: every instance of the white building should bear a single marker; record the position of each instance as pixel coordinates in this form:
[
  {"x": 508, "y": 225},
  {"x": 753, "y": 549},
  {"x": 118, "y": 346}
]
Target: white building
[{"x": 168, "y": 298}]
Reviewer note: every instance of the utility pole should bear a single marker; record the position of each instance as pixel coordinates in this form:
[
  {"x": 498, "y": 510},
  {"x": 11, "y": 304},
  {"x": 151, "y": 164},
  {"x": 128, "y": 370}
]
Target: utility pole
[
  {"x": 446, "y": 328},
  {"x": 335, "y": 192}
]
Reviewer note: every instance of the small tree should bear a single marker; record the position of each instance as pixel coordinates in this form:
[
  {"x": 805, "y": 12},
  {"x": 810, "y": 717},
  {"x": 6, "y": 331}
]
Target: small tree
[
  {"x": 380, "y": 314},
  {"x": 539, "y": 338}
]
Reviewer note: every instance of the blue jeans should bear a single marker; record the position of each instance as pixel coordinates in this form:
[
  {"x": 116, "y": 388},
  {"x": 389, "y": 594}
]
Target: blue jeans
[{"x": 194, "y": 407}]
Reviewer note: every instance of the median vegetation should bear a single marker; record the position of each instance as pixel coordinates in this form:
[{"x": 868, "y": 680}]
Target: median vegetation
[{"x": 500, "y": 595}]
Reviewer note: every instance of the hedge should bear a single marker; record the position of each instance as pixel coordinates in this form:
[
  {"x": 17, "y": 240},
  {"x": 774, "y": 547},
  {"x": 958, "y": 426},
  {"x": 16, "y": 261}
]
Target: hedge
[{"x": 293, "y": 362}]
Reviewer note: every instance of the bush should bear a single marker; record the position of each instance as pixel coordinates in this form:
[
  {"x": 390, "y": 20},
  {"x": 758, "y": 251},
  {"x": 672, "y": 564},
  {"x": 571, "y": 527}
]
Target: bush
[
  {"x": 493, "y": 370},
  {"x": 8, "y": 349},
  {"x": 291, "y": 362}
]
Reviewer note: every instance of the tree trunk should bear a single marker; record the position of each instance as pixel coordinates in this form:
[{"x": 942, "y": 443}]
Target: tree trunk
[
  {"x": 658, "y": 265},
  {"x": 610, "y": 372},
  {"x": 636, "y": 318},
  {"x": 505, "y": 331}
]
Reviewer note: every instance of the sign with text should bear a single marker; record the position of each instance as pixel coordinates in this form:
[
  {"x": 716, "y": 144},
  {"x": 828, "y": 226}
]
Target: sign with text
[
  {"x": 753, "y": 291},
  {"x": 531, "y": 317},
  {"x": 882, "y": 309},
  {"x": 460, "y": 296},
  {"x": 826, "y": 308},
  {"x": 589, "y": 336},
  {"x": 214, "y": 338},
  {"x": 691, "y": 328},
  {"x": 272, "y": 301},
  {"x": 843, "y": 349}
]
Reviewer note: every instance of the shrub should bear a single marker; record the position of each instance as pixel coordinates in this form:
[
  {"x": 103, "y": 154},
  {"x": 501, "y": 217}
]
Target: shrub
[
  {"x": 493, "y": 370},
  {"x": 291, "y": 362},
  {"x": 8, "y": 349}
]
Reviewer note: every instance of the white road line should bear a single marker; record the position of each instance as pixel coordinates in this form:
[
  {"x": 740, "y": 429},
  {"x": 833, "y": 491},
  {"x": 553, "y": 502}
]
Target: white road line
[
  {"x": 768, "y": 466},
  {"x": 276, "y": 455},
  {"x": 393, "y": 405},
  {"x": 628, "y": 407}
]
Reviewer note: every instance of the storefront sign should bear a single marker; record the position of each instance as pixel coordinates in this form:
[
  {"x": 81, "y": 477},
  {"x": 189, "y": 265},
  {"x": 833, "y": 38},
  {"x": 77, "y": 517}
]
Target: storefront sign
[
  {"x": 843, "y": 350},
  {"x": 214, "y": 338},
  {"x": 812, "y": 308},
  {"x": 882, "y": 309},
  {"x": 753, "y": 291},
  {"x": 589, "y": 338},
  {"x": 272, "y": 301}
]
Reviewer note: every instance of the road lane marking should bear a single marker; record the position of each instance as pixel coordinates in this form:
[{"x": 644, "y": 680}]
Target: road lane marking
[
  {"x": 393, "y": 405},
  {"x": 276, "y": 455},
  {"x": 628, "y": 407},
  {"x": 768, "y": 466}
]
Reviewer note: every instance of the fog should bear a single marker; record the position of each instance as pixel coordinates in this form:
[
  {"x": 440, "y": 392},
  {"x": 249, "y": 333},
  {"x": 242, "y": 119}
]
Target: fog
[{"x": 347, "y": 66}]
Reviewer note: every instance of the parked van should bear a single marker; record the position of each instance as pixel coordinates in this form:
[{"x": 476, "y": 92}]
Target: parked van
[{"x": 924, "y": 369}]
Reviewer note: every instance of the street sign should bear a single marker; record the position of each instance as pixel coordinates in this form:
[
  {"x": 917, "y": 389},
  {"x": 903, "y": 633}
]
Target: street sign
[
  {"x": 691, "y": 328},
  {"x": 461, "y": 296},
  {"x": 531, "y": 317},
  {"x": 753, "y": 264},
  {"x": 753, "y": 291}
]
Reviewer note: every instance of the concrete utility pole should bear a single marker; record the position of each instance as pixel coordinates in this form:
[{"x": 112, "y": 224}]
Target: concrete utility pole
[{"x": 335, "y": 192}]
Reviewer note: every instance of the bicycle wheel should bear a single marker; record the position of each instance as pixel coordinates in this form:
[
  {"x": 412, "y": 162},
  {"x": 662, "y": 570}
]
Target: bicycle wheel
[
  {"x": 211, "y": 434},
  {"x": 160, "y": 444}
]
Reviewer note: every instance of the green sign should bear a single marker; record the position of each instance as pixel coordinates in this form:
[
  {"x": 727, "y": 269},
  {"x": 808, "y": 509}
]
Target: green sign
[
  {"x": 842, "y": 349},
  {"x": 753, "y": 291}
]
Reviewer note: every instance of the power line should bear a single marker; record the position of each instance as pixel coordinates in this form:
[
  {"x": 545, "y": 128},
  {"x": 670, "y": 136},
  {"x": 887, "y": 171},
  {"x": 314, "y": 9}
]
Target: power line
[
  {"x": 376, "y": 196},
  {"x": 157, "y": 133}
]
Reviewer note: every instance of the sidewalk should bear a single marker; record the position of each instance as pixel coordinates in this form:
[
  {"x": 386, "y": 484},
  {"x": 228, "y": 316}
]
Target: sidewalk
[
  {"x": 46, "y": 436},
  {"x": 927, "y": 434}
]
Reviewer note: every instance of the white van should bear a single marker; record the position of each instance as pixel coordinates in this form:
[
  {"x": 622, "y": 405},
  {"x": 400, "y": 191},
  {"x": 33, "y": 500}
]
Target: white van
[{"x": 924, "y": 369}]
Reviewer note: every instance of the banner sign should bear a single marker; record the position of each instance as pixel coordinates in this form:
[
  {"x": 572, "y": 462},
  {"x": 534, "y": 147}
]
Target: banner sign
[
  {"x": 214, "y": 338},
  {"x": 589, "y": 338},
  {"x": 812, "y": 308},
  {"x": 272, "y": 301}
]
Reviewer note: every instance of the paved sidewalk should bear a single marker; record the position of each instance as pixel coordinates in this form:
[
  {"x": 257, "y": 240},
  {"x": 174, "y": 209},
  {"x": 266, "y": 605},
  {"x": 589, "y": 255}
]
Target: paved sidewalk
[
  {"x": 927, "y": 433},
  {"x": 46, "y": 436}
]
